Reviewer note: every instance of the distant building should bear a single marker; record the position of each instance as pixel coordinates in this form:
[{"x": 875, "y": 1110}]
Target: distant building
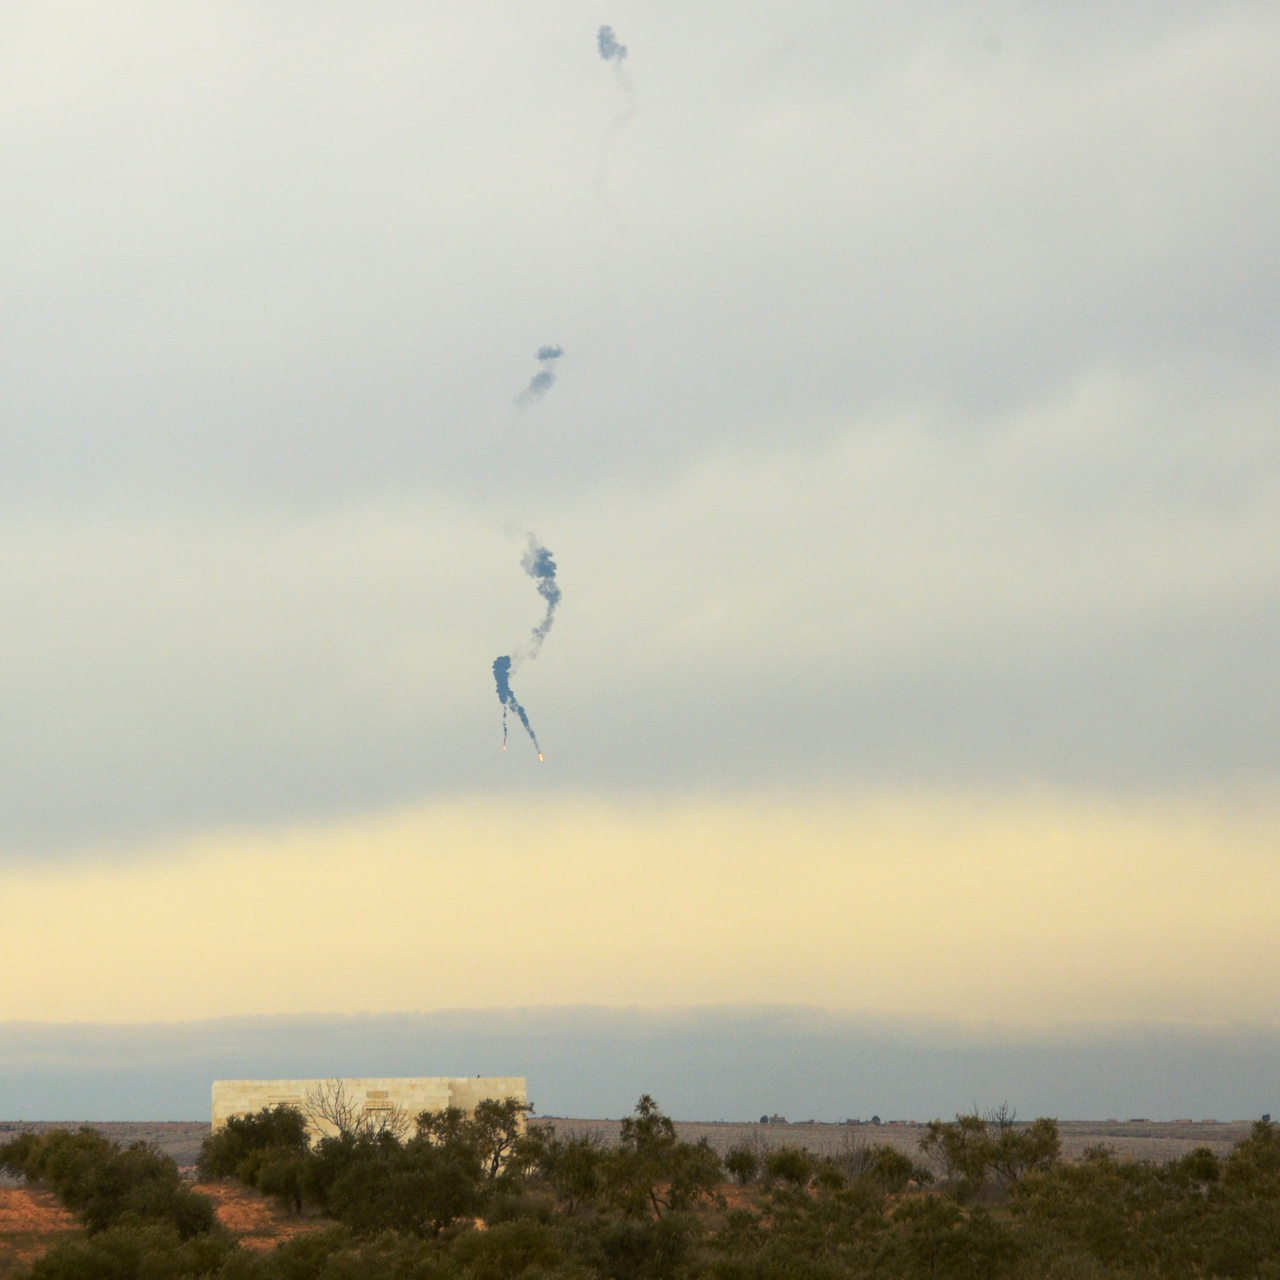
[{"x": 366, "y": 1098}]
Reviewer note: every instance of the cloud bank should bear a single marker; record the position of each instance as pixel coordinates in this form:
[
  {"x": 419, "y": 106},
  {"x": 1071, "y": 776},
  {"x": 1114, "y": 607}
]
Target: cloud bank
[{"x": 731, "y": 1063}]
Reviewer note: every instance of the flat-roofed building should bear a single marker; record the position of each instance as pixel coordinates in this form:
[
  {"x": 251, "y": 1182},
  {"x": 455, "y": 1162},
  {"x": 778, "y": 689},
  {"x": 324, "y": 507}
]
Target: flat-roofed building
[{"x": 369, "y": 1098}]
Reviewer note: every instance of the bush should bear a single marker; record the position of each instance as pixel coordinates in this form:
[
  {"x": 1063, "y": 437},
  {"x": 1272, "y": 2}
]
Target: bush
[
  {"x": 379, "y": 1184},
  {"x": 575, "y": 1169},
  {"x": 742, "y": 1162},
  {"x": 973, "y": 1146},
  {"x": 644, "y": 1249},
  {"x": 1255, "y": 1163},
  {"x": 283, "y": 1177},
  {"x": 651, "y": 1170},
  {"x": 508, "y": 1249},
  {"x": 245, "y": 1144},
  {"x": 104, "y": 1184},
  {"x": 882, "y": 1163},
  {"x": 790, "y": 1164},
  {"x": 932, "y": 1237},
  {"x": 156, "y": 1252}
]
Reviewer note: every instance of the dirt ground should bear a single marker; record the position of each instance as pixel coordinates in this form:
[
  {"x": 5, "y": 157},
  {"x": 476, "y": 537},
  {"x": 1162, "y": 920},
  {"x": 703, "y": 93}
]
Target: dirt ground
[
  {"x": 257, "y": 1222},
  {"x": 32, "y": 1221}
]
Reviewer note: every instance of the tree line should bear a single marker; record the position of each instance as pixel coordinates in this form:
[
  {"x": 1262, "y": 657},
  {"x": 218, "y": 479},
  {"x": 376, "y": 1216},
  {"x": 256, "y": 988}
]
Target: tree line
[{"x": 486, "y": 1196}]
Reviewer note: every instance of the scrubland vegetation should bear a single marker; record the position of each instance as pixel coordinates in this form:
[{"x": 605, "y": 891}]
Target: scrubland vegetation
[{"x": 450, "y": 1197}]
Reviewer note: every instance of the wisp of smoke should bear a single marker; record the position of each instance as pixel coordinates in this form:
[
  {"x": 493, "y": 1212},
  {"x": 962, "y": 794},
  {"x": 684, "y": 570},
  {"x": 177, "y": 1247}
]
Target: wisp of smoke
[
  {"x": 541, "y": 381},
  {"x": 537, "y": 562},
  {"x": 610, "y": 49},
  {"x": 614, "y": 54},
  {"x": 539, "y": 565}
]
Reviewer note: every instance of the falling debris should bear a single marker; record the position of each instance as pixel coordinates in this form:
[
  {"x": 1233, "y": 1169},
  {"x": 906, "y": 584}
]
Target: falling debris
[
  {"x": 537, "y": 562},
  {"x": 541, "y": 381},
  {"x": 610, "y": 49}
]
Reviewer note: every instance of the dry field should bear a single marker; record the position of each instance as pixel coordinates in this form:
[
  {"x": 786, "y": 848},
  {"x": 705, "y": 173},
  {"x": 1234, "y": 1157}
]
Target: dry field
[
  {"x": 1138, "y": 1140},
  {"x": 1134, "y": 1140}
]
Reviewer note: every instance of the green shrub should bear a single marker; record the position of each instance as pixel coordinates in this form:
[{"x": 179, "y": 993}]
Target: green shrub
[
  {"x": 507, "y": 1250},
  {"x": 574, "y": 1169},
  {"x": 790, "y": 1164},
  {"x": 246, "y": 1144},
  {"x": 742, "y": 1162},
  {"x": 930, "y": 1236},
  {"x": 134, "y": 1252},
  {"x": 883, "y": 1164},
  {"x": 379, "y": 1184},
  {"x": 651, "y": 1170},
  {"x": 104, "y": 1184},
  {"x": 974, "y": 1146}
]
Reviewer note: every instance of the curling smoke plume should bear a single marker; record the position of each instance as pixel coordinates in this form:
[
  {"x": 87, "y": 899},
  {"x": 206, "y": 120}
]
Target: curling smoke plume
[
  {"x": 610, "y": 49},
  {"x": 541, "y": 381},
  {"x": 539, "y": 565}
]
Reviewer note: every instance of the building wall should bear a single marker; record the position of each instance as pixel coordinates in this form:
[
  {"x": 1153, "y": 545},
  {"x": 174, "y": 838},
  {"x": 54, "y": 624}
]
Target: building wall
[{"x": 374, "y": 1096}]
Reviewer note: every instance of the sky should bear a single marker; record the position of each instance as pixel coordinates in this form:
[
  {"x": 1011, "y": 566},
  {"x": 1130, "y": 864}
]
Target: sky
[{"x": 911, "y": 469}]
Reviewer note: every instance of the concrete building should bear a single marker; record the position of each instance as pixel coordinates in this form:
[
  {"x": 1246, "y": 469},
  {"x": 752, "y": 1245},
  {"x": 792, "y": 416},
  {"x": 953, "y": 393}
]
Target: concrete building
[{"x": 371, "y": 1098}]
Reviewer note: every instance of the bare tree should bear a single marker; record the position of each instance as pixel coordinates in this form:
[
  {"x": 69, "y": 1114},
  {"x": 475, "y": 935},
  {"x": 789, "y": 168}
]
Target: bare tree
[
  {"x": 999, "y": 1119},
  {"x": 328, "y": 1106}
]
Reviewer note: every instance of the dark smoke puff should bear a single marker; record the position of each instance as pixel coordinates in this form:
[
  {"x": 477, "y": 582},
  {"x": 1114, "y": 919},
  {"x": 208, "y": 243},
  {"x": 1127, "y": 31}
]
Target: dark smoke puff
[
  {"x": 502, "y": 677},
  {"x": 541, "y": 381},
  {"x": 540, "y": 384},
  {"x": 610, "y": 49}
]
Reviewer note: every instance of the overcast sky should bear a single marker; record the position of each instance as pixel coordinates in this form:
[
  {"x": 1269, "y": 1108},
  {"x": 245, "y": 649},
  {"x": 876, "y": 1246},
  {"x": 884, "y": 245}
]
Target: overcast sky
[
  {"x": 917, "y": 428},
  {"x": 917, "y": 417}
]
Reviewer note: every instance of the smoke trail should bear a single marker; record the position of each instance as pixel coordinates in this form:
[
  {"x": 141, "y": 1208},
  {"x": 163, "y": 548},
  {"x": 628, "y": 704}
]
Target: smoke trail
[
  {"x": 502, "y": 677},
  {"x": 539, "y": 565},
  {"x": 541, "y": 381},
  {"x": 614, "y": 53},
  {"x": 610, "y": 49}
]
